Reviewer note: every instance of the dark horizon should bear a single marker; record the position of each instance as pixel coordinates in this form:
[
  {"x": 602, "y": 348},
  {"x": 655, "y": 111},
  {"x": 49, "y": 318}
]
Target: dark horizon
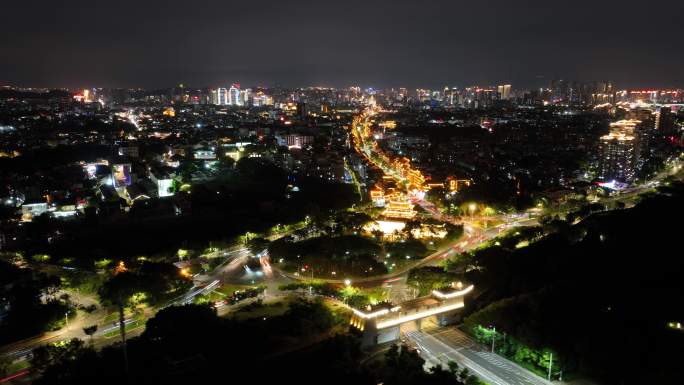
[{"x": 156, "y": 45}]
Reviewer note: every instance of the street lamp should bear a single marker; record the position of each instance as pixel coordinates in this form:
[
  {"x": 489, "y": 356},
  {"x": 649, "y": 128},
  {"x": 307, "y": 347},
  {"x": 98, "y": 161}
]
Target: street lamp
[
  {"x": 472, "y": 207},
  {"x": 347, "y": 282}
]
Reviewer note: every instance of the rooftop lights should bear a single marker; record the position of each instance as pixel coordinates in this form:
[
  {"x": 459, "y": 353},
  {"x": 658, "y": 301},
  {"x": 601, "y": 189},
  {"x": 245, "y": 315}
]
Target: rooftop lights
[
  {"x": 376, "y": 313},
  {"x": 453, "y": 294}
]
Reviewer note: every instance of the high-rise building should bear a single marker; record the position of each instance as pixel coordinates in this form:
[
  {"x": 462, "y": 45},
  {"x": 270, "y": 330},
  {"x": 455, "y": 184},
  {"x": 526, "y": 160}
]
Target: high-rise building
[
  {"x": 234, "y": 95},
  {"x": 504, "y": 91},
  {"x": 483, "y": 97},
  {"x": 664, "y": 121},
  {"x": 618, "y": 152},
  {"x": 451, "y": 96},
  {"x": 246, "y": 97},
  {"x": 88, "y": 97},
  {"x": 302, "y": 111},
  {"x": 261, "y": 99},
  {"x": 221, "y": 96},
  {"x": 559, "y": 89}
]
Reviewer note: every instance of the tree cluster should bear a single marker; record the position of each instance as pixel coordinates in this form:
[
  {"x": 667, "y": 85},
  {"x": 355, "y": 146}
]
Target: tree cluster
[
  {"x": 190, "y": 344},
  {"x": 595, "y": 292},
  {"x": 31, "y": 303}
]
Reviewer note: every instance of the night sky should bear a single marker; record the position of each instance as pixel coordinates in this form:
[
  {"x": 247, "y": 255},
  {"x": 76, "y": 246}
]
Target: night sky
[{"x": 430, "y": 43}]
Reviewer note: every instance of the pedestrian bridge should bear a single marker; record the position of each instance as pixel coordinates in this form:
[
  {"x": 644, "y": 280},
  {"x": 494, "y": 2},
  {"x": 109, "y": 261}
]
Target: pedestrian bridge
[{"x": 380, "y": 323}]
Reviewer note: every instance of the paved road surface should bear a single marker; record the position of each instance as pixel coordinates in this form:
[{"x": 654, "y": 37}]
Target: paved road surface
[{"x": 446, "y": 345}]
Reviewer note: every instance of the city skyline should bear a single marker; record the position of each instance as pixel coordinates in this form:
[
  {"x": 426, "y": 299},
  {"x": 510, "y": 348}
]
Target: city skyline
[
  {"x": 329, "y": 192},
  {"x": 401, "y": 44}
]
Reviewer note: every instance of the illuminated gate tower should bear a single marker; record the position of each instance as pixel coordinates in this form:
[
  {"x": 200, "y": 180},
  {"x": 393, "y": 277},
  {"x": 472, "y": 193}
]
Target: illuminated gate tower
[
  {"x": 381, "y": 323},
  {"x": 399, "y": 206}
]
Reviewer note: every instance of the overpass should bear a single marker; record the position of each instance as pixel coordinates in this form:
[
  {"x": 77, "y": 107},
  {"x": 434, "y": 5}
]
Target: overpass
[{"x": 381, "y": 323}]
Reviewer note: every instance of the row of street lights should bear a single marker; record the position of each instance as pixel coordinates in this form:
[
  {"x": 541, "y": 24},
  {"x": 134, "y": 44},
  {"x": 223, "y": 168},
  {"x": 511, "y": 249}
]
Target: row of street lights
[{"x": 493, "y": 328}]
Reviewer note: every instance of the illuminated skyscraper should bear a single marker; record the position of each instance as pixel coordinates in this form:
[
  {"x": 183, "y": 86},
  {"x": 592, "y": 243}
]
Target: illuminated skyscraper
[
  {"x": 234, "y": 95},
  {"x": 261, "y": 99},
  {"x": 504, "y": 91},
  {"x": 246, "y": 97},
  {"x": 452, "y": 96},
  {"x": 664, "y": 121},
  {"x": 221, "y": 96},
  {"x": 618, "y": 153}
]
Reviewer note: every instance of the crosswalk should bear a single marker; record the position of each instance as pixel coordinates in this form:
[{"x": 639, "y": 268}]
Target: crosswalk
[
  {"x": 456, "y": 339},
  {"x": 436, "y": 353}
]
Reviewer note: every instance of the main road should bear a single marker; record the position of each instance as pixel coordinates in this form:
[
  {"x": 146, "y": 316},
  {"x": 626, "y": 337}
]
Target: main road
[{"x": 442, "y": 345}]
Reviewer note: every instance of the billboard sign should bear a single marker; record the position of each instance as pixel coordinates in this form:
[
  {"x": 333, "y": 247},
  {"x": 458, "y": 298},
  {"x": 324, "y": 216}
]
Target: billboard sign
[{"x": 121, "y": 175}]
